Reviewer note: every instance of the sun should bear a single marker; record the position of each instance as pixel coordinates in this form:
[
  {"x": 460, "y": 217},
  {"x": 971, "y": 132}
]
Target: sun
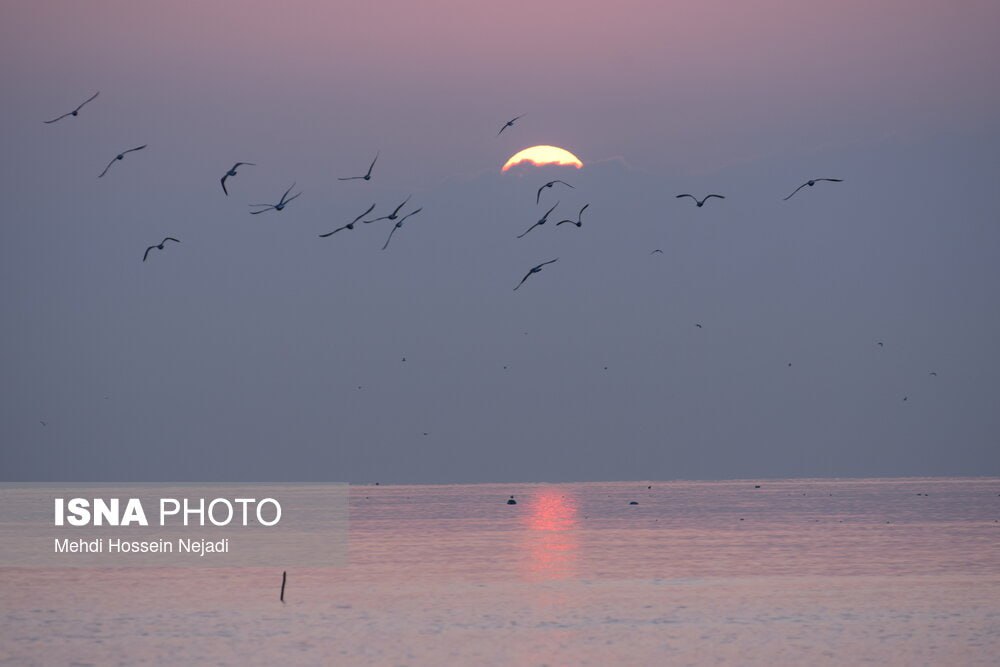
[{"x": 539, "y": 155}]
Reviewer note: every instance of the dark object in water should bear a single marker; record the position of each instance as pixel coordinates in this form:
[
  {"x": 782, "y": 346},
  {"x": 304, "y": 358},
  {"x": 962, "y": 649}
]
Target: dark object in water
[
  {"x": 511, "y": 501},
  {"x": 633, "y": 503},
  {"x": 756, "y": 486},
  {"x": 284, "y": 575}
]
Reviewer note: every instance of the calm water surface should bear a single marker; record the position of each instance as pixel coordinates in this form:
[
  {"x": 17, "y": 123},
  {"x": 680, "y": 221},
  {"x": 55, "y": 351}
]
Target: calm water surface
[{"x": 823, "y": 571}]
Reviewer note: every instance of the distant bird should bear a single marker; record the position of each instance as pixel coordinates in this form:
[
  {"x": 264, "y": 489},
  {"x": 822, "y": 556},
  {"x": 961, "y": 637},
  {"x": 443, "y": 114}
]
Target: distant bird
[
  {"x": 905, "y": 398},
  {"x": 699, "y": 202},
  {"x": 579, "y": 217},
  {"x": 656, "y": 251},
  {"x": 509, "y": 123},
  {"x": 74, "y": 112},
  {"x": 880, "y": 344},
  {"x": 40, "y": 421},
  {"x": 538, "y": 195},
  {"x": 399, "y": 224},
  {"x": 280, "y": 206},
  {"x": 698, "y": 325},
  {"x": 535, "y": 269},
  {"x": 121, "y": 156},
  {"x": 349, "y": 225},
  {"x": 366, "y": 177},
  {"x": 158, "y": 246},
  {"x": 391, "y": 216},
  {"x": 232, "y": 172},
  {"x": 933, "y": 373},
  {"x": 541, "y": 220},
  {"x": 812, "y": 183}
]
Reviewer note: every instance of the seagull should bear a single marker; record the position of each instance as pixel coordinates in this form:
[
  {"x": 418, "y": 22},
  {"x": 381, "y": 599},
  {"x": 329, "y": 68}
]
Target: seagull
[
  {"x": 812, "y": 183},
  {"x": 398, "y": 225},
  {"x": 74, "y": 112},
  {"x": 509, "y": 123},
  {"x": 158, "y": 246},
  {"x": 933, "y": 373},
  {"x": 366, "y": 177},
  {"x": 121, "y": 156},
  {"x": 535, "y": 269},
  {"x": 698, "y": 325},
  {"x": 880, "y": 344},
  {"x": 656, "y": 251},
  {"x": 280, "y": 206},
  {"x": 538, "y": 195},
  {"x": 699, "y": 202},
  {"x": 542, "y": 220},
  {"x": 232, "y": 172},
  {"x": 579, "y": 218},
  {"x": 391, "y": 216},
  {"x": 349, "y": 225}
]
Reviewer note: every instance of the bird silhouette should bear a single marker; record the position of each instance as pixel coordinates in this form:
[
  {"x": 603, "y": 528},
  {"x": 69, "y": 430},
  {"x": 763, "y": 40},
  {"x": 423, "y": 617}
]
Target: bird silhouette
[
  {"x": 121, "y": 156},
  {"x": 699, "y": 325},
  {"x": 538, "y": 195},
  {"x": 932, "y": 373},
  {"x": 349, "y": 225},
  {"x": 74, "y": 112},
  {"x": 812, "y": 183},
  {"x": 699, "y": 202},
  {"x": 509, "y": 123},
  {"x": 366, "y": 177},
  {"x": 656, "y": 251},
  {"x": 579, "y": 218},
  {"x": 391, "y": 216},
  {"x": 534, "y": 269},
  {"x": 880, "y": 344},
  {"x": 232, "y": 172},
  {"x": 158, "y": 246},
  {"x": 541, "y": 220},
  {"x": 280, "y": 206},
  {"x": 399, "y": 224}
]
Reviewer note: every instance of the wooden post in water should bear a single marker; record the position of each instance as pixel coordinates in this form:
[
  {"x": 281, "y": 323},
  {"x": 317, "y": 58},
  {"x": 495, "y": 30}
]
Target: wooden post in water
[{"x": 284, "y": 575}]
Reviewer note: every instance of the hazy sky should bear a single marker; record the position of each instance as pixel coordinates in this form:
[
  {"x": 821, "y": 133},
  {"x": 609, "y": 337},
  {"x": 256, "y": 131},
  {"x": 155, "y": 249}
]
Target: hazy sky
[{"x": 238, "y": 354}]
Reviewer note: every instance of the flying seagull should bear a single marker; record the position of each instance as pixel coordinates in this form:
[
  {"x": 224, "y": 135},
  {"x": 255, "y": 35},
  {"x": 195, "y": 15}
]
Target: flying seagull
[
  {"x": 232, "y": 172},
  {"x": 812, "y": 183},
  {"x": 880, "y": 344},
  {"x": 158, "y": 246},
  {"x": 534, "y": 269},
  {"x": 74, "y": 112},
  {"x": 538, "y": 195},
  {"x": 121, "y": 156},
  {"x": 366, "y": 177},
  {"x": 699, "y": 202},
  {"x": 656, "y": 251},
  {"x": 933, "y": 373},
  {"x": 349, "y": 225},
  {"x": 280, "y": 206},
  {"x": 579, "y": 218},
  {"x": 391, "y": 216},
  {"x": 509, "y": 123},
  {"x": 399, "y": 224},
  {"x": 698, "y": 325},
  {"x": 541, "y": 220}
]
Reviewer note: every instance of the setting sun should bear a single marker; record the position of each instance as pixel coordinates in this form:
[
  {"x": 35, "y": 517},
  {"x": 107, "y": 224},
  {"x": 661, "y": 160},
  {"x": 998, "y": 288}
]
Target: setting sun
[{"x": 540, "y": 155}]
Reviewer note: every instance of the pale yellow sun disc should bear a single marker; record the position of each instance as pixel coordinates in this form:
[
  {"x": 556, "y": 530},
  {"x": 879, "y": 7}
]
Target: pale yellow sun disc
[{"x": 540, "y": 155}]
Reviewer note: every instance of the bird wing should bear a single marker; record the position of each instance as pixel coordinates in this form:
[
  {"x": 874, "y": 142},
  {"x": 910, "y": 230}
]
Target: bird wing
[
  {"x": 391, "y": 232},
  {"x": 545, "y": 217},
  {"x": 551, "y": 261},
  {"x": 352, "y": 178},
  {"x": 565, "y": 183},
  {"x": 526, "y": 276},
  {"x": 410, "y": 214},
  {"x": 108, "y": 167},
  {"x": 686, "y": 195},
  {"x": 268, "y": 207},
  {"x": 538, "y": 195},
  {"x": 572, "y": 222},
  {"x": 580, "y": 214},
  {"x": 282, "y": 200},
  {"x": 323, "y": 236},
  {"x": 796, "y": 190},
  {"x": 223, "y": 181},
  {"x": 529, "y": 229},
  {"x": 707, "y": 197},
  {"x": 291, "y": 198},
  {"x": 401, "y": 205},
  {"x": 132, "y": 150},
  {"x": 146, "y": 254},
  {"x": 372, "y": 165},
  {"x": 832, "y": 180},
  {"x": 88, "y": 100},
  {"x": 363, "y": 214},
  {"x": 169, "y": 238},
  {"x": 68, "y": 113}
]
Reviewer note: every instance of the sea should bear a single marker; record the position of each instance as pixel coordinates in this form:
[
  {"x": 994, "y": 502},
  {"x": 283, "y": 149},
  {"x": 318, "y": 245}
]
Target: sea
[{"x": 745, "y": 572}]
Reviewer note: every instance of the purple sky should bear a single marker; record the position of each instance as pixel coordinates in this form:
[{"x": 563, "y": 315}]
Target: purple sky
[{"x": 238, "y": 353}]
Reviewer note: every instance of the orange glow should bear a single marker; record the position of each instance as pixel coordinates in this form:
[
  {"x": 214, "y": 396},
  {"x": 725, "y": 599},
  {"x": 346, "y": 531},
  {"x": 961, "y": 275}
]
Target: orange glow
[
  {"x": 539, "y": 155},
  {"x": 551, "y": 540}
]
